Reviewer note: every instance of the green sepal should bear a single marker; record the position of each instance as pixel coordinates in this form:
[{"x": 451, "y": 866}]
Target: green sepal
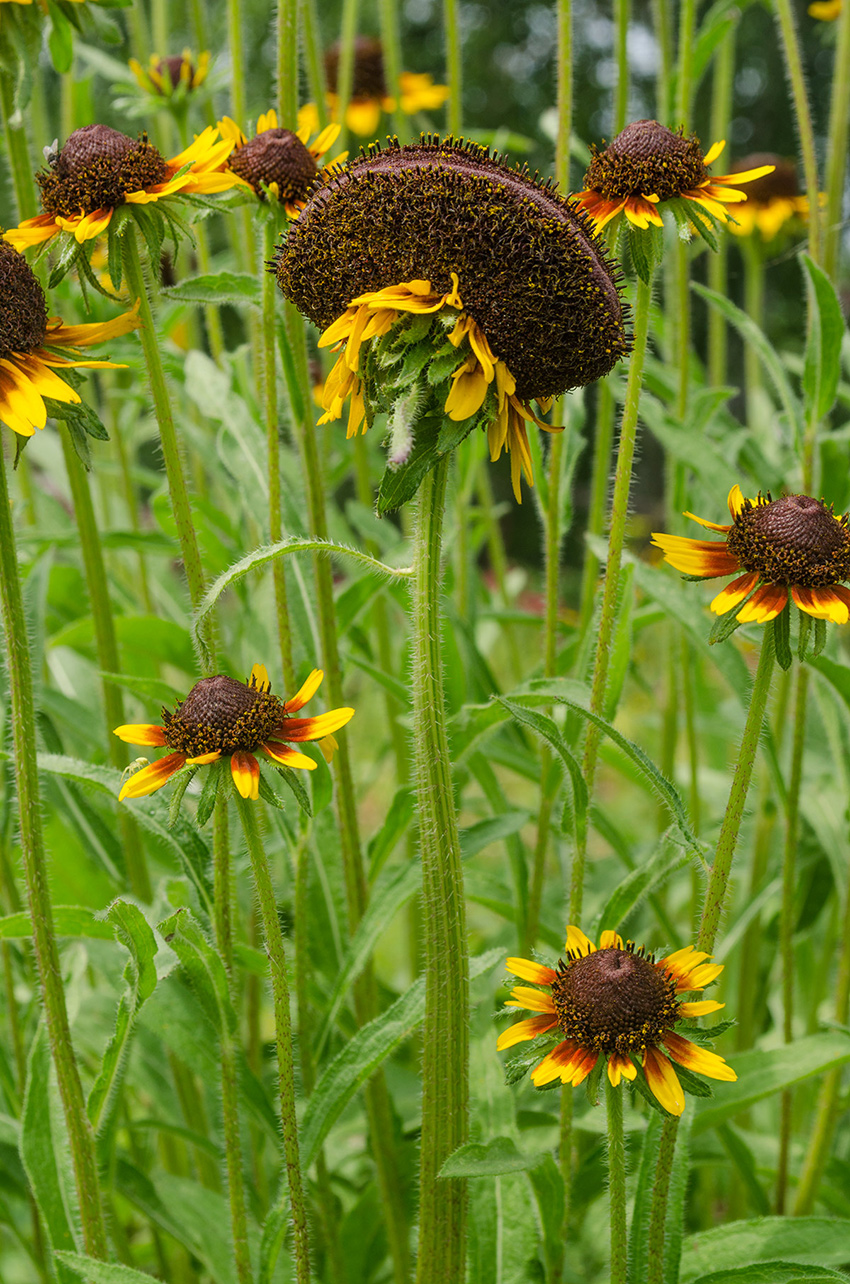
[
  {"x": 453, "y": 432},
  {"x": 21, "y": 444},
  {"x": 443, "y": 365},
  {"x": 415, "y": 361},
  {"x": 80, "y": 442},
  {"x": 295, "y": 783},
  {"x": 269, "y": 796},
  {"x": 593, "y": 1080},
  {"x": 782, "y": 638},
  {"x": 114, "y": 255},
  {"x": 182, "y": 780},
  {"x": 87, "y": 276},
  {"x": 642, "y": 251},
  {"x": 724, "y": 626},
  {"x": 705, "y": 1035},
  {"x": 69, "y": 253},
  {"x": 820, "y": 638},
  {"x": 401, "y": 484},
  {"x": 80, "y": 414},
  {"x": 692, "y": 1084},
  {"x": 517, "y": 1067},
  {"x": 209, "y": 794},
  {"x": 416, "y": 329},
  {"x": 805, "y": 628},
  {"x": 150, "y": 223}
]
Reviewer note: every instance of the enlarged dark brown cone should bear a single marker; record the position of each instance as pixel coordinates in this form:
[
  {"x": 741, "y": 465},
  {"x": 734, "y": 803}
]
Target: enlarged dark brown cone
[
  {"x": 781, "y": 183},
  {"x": 23, "y": 307},
  {"x": 532, "y": 273},
  {"x": 647, "y": 159},
  {"x": 369, "y": 77},
  {"x": 96, "y": 169},
  {"x": 794, "y": 540},
  {"x": 221, "y": 714},
  {"x": 613, "y": 1000},
  {"x": 276, "y": 156}
]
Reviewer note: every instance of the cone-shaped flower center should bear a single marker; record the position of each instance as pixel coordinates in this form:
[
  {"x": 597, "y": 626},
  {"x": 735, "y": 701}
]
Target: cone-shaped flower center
[
  {"x": 795, "y": 540},
  {"x": 172, "y": 68},
  {"x": 647, "y": 159},
  {"x": 781, "y": 183},
  {"x": 96, "y": 169},
  {"x": 276, "y": 156},
  {"x": 369, "y": 77},
  {"x": 614, "y": 1001},
  {"x": 23, "y": 307},
  {"x": 221, "y": 714}
]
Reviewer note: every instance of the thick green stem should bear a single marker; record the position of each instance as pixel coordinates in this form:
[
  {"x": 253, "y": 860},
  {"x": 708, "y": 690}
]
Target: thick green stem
[
  {"x": 454, "y": 66},
  {"x": 445, "y": 1047},
  {"x": 19, "y": 668},
  {"x": 17, "y": 152},
  {"x": 283, "y": 1030},
  {"x": 345, "y": 65},
  {"x": 180, "y": 504},
  {"x": 233, "y": 1154},
  {"x": 222, "y": 876},
  {"x": 836, "y": 150},
  {"x": 622, "y": 10},
  {"x": 664, "y": 76},
  {"x": 599, "y": 483},
  {"x": 684, "y": 81},
  {"x": 106, "y": 645},
  {"x": 656, "y": 1237},
  {"x": 718, "y": 883},
  {"x": 237, "y": 70},
  {"x": 753, "y": 253},
  {"x": 616, "y": 1181},
  {"x": 393, "y": 66},
  {"x": 616, "y": 540},
  {"x": 287, "y": 62},
  {"x": 805, "y": 129},
  {"x": 723, "y": 83},
  {"x": 312, "y": 36},
  {"x": 565, "y": 93}
]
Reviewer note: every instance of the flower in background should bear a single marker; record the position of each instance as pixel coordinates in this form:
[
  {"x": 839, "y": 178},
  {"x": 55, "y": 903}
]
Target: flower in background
[
  {"x": 772, "y": 201},
  {"x": 370, "y": 94},
  {"x": 221, "y": 717},
  {"x": 647, "y": 165},
  {"x": 276, "y": 160},
  {"x": 33, "y": 346},
  {"x": 825, "y": 10},
  {"x": 618, "y": 1004},
  {"x": 100, "y": 169},
  {"x": 164, "y": 76},
  {"x": 791, "y": 545},
  {"x": 504, "y": 299}
]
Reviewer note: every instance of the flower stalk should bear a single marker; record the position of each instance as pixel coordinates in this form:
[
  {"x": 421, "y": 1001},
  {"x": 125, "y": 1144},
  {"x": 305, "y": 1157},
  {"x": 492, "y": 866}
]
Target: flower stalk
[
  {"x": 836, "y": 151},
  {"x": 616, "y": 1182},
  {"x": 17, "y": 152},
  {"x": 794, "y": 63}
]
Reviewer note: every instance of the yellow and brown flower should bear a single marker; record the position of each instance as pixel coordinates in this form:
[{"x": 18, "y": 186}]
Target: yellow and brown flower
[
  {"x": 281, "y": 161},
  {"x": 794, "y": 545},
  {"x": 648, "y": 164},
  {"x": 221, "y": 717},
  {"x": 33, "y": 346},
  {"x": 772, "y": 201},
  {"x": 616, "y": 1003},
  {"x": 100, "y": 169},
  {"x": 164, "y": 76},
  {"x": 370, "y": 95}
]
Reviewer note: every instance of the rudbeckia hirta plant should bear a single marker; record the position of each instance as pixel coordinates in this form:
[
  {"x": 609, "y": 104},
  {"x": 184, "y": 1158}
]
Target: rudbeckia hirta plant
[
  {"x": 617, "y": 1006},
  {"x": 455, "y": 322},
  {"x": 100, "y": 169},
  {"x": 370, "y": 95},
  {"x": 223, "y": 718},
  {"x": 647, "y": 166},
  {"x": 282, "y": 162},
  {"x": 794, "y": 546},
  {"x": 33, "y": 346},
  {"x": 772, "y": 202},
  {"x": 166, "y": 77}
]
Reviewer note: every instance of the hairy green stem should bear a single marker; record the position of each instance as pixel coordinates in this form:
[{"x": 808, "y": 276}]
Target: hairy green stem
[
  {"x": 17, "y": 151},
  {"x": 622, "y": 12},
  {"x": 664, "y": 76},
  {"x": 222, "y": 874},
  {"x": 233, "y": 1157},
  {"x": 805, "y": 129},
  {"x": 599, "y": 484},
  {"x": 287, "y": 63},
  {"x": 454, "y": 66},
  {"x": 616, "y": 1181},
  {"x": 723, "y": 82},
  {"x": 237, "y": 68},
  {"x": 836, "y": 150},
  {"x": 753, "y": 254},
  {"x": 685, "y": 63},
  {"x": 312, "y": 37},
  {"x": 656, "y": 1237},
  {"x": 345, "y": 65},
  {"x": 393, "y": 66},
  {"x": 19, "y": 668},
  {"x": 283, "y": 1030},
  {"x": 445, "y": 1047}
]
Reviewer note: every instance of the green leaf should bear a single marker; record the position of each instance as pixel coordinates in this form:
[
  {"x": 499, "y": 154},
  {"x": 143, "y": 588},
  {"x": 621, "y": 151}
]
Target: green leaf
[
  {"x": 212, "y": 782},
  {"x": 815, "y": 1241},
  {"x": 60, "y": 40},
  {"x": 823, "y": 349},
  {"x": 96, "y": 1272},
  {"x": 489, "y": 1159},
  {"x": 773, "y": 1273},
  {"x": 362, "y": 1055},
  {"x": 642, "y": 250},
  {"x": 763, "y": 1072},
  {"x": 132, "y": 930},
  {"x": 292, "y": 779},
  {"x": 68, "y": 920},
  {"x": 237, "y": 288},
  {"x": 401, "y": 484},
  {"x": 742, "y": 1157},
  {"x": 639, "y": 884},
  {"x": 725, "y": 625},
  {"x": 204, "y": 967},
  {"x": 41, "y": 1147},
  {"x": 782, "y": 637},
  {"x": 820, "y": 638},
  {"x": 544, "y": 727}
]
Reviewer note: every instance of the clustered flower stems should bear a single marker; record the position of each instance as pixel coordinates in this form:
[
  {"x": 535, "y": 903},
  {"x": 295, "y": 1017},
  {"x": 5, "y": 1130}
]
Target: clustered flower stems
[
  {"x": 19, "y": 667},
  {"x": 805, "y": 129},
  {"x": 616, "y": 1182},
  {"x": 17, "y": 151},
  {"x": 718, "y": 264},
  {"x": 836, "y": 152}
]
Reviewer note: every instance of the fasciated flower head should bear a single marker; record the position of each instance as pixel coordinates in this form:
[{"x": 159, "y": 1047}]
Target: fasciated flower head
[
  {"x": 648, "y": 164},
  {"x": 34, "y": 346},
  {"x": 164, "y": 77},
  {"x": 529, "y": 301},
  {"x": 616, "y": 1003},
  {"x": 221, "y": 717},
  {"x": 280, "y": 161},
  {"x": 772, "y": 201},
  {"x": 100, "y": 169},
  {"x": 791, "y": 545}
]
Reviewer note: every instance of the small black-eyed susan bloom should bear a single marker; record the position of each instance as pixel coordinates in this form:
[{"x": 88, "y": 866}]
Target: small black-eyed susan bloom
[
  {"x": 34, "y": 347},
  {"x": 794, "y": 545},
  {"x": 223, "y": 718},
  {"x": 772, "y": 202},
  {"x": 370, "y": 95},
  {"x": 453, "y": 322},
  {"x": 825, "y": 10},
  {"x": 167, "y": 76},
  {"x": 100, "y": 169},
  {"x": 616, "y": 1003},
  {"x": 647, "y": 165},
  {"x": 282, "y": 162}
]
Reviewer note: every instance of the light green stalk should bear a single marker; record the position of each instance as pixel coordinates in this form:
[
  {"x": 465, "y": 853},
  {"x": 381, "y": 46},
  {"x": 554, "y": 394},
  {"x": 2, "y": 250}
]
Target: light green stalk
[
  {"x": 753, "y": 252},
  {"x": 805, "y": 129},
  {"x": 345, "y": 65},
  {"x": 616, "y": 1181},
  {"x": 684, "y": 81},
  {"x": 718, "y": 264},
  {"x": 17, "y": 151},
  {"x": 454, "y": 66},
  {"x": 393, "y": 67},
  {"x": 656, "y": 1237},
  {"x": 237, "y": 61},
  {"x": 836, "y": 151},
  {"x": 19, "y": 668},
  {"x": 312, "y": 36},
  {"x": 664, "y": 76},
  {"x": 622, "y": 10},
  {"x": 287, "y": 62},
  {"x": 603, "y": 436}
]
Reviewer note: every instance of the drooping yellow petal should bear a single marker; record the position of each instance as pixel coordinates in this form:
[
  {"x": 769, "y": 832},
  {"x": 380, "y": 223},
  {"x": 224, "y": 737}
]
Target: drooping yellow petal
[
  {"x": 578, "y": 943},
  {"x": 468, "y": 390},
  {"x": 713, "y": 152},
  {"x": 522, "y": 996},
  {"x": 306, "y": 692},
  {"x": 288, "y": 757},
  {"x": 245, "y": 771},
  {"x": 324, "y": 724},
  {"x": 523, "y": 1031},
  {"x": 527, "y": 970},
  {"x": 701, "y": 1060},
  {"x": 620, "y": 1066},
  {"x": 151, "y": 778},
  {"x": 141, "y": 733},
  {"x": 663, "y": 1081}
]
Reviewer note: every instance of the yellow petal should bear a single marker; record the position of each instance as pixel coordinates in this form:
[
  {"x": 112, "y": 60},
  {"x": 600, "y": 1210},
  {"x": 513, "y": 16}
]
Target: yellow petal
[
  {"x": 578, "y": 943},
  {"x": 530, "y": 971}
]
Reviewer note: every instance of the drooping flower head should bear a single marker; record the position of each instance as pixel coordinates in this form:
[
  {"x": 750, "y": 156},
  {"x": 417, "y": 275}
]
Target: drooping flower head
[
  {"x": 772, "y": 201},
  {"x": 647, "y": 165},
  {"x": 221, "y": 717},
  {"x": 618, "y": 1004},
  {"x": 791, "y": 545},
  {"x": 280, "y": 161},
  {"x": 166, "y": 77},
  {"x": 34, "y": 346},
  {"x": 459, "y": 287},
  {"x": 100, "y": 169}
]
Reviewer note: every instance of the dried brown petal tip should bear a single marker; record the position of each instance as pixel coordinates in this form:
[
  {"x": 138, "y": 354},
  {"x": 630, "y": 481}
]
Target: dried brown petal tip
[
  {"x": 276, "y": 156},
  {"x": 23, "y": 308},
  {"x": 96, "y": 169},
  {"x": 614, "y": 1000},
  {"x": 647, "y": 159},
  {"x": 221, "y": 714},
  {"x": 796, "y": 540}
]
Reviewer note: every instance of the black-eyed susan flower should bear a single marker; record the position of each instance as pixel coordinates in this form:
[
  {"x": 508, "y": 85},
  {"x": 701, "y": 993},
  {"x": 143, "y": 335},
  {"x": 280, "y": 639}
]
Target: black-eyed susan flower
[
  {"x": 100, "y": 169},
  {"x": 370, "y": 94},
  {"x": 825, "y": 10},
  {"x": 648, "y": 164},
  {"x": 281, "y": 161},
  {"x": 791, "y": 545},
  {"x": 167, "y": 76},
  {"x": 223, "y": 718},
  {"x": 456, "y": 289},
  {"x": 772, "y": 201},
  {"x": 33, "y": 346},
  {"x": 616, "y": 1003}
]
